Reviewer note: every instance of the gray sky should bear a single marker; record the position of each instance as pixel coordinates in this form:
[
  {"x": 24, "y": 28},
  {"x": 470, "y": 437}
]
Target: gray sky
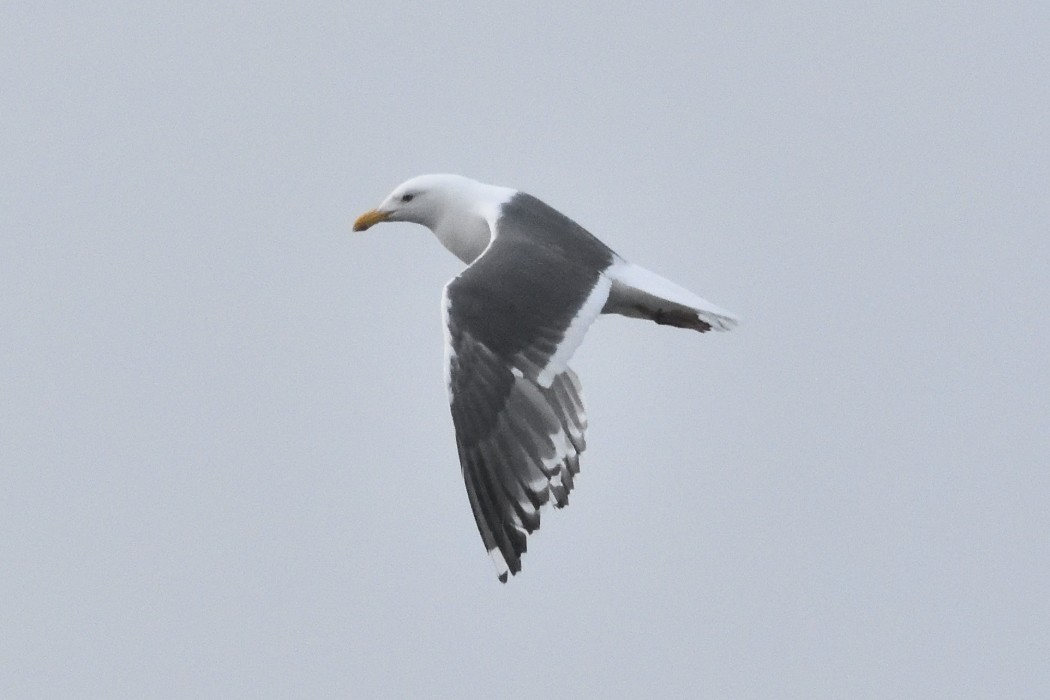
[{"x": 228, "y": 462}]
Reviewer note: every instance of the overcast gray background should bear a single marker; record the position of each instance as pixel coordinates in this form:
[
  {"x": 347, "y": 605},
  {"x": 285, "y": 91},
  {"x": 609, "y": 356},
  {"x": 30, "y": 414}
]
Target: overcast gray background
[{"x": 228, "y": 462}]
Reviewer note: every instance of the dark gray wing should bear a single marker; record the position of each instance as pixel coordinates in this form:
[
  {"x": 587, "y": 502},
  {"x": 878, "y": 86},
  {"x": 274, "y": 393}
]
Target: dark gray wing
[
  {"x": 513, "y": 319},
  {"x": 519, "y": 446}
]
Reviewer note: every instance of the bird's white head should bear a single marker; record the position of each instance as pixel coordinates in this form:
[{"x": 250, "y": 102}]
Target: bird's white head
[
  {"x": 461, "y": 212},
  {"x": 425, "y": 199}
]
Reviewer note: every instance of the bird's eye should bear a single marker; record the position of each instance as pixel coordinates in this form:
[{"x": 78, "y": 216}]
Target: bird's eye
[{"x": 407, "y": 197}]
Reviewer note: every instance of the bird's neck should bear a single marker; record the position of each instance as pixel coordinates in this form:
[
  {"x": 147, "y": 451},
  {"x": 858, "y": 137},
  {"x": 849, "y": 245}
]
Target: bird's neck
[
  {"x": 464, "y": 234},
  {"x": 466, "y": 230}
]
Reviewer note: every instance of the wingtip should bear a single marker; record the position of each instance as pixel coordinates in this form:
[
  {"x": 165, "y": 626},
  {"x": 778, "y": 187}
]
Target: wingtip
[
  {"x": 718, "y": 322},
  {"x": 727, "y": 323},
  {"x": 502, "y": 570}
]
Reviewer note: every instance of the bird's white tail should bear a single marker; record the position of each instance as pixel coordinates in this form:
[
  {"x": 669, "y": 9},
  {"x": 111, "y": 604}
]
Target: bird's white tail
[{"x": 639, "y": 293}]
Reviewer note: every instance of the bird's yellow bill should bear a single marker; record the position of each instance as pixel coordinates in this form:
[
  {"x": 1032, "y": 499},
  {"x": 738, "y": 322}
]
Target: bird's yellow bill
[{"x": 369, "y": 219}]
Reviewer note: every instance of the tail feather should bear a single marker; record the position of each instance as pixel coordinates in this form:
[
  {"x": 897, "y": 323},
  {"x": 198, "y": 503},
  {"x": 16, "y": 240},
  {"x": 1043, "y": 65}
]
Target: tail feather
[{"x": 639, "y": 293}]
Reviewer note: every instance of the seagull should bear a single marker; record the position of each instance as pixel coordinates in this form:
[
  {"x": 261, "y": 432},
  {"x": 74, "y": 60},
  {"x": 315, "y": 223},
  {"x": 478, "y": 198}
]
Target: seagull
[{"x": 535, "y": 281}]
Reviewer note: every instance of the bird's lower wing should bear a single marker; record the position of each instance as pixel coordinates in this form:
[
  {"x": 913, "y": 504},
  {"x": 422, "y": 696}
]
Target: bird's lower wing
[
  {"x": 516, "y": 405},
  {"x": 519, "y": 446}
]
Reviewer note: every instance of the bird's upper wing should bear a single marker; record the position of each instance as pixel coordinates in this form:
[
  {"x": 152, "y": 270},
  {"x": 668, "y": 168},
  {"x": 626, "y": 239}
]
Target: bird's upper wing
[{"x": 512, "y": 321}]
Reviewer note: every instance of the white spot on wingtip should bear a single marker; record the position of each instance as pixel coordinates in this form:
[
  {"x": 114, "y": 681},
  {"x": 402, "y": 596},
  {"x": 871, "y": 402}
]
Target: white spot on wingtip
[
  {"x": 561, "y": 444},
  {"x": 500, "y": 563}
]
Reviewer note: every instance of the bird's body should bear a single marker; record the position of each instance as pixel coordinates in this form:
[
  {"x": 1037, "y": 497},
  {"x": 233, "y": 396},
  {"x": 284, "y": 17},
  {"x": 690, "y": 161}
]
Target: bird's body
[{"x": 535, "y": 282}]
